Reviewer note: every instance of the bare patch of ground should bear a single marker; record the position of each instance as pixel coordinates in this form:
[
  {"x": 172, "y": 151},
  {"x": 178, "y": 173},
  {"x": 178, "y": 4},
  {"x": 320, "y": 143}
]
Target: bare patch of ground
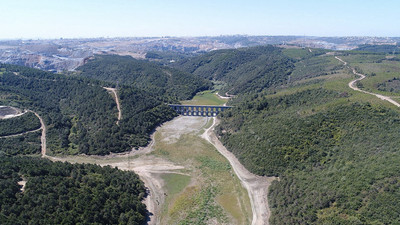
[
  {"x": 7, "y": 112},
  {"x": 181, "y": 125},
  {"x": 223, "y": 97},
  {"x": 22, "y": 183}
]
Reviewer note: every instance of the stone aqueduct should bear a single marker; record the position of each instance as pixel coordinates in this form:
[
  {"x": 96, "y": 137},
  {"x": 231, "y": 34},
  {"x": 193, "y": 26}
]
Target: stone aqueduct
[{"x": 198, "y": 110}]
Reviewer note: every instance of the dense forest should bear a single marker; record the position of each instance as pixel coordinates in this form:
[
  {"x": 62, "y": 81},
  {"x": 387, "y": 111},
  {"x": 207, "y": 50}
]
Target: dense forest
[
  {"x": 80, "y": 115},
  {"x": 335, "y": 154},
  {"x": 244, "y": 70},
  {"x": 63, "y": 193},
  {"x": 20, "y": 124},
  {"x": 148, "y": 76},
  {"x": 27, "y": 144}
]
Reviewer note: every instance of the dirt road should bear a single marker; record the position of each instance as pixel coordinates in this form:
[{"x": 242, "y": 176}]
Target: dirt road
[
  {"x": 223, "y": 97},
  {"x": 257, "y": 186},
  {"x": 43, "y": 138},
  {"x": 115, "y": 95},
  {"x": 353, "y": 85}
]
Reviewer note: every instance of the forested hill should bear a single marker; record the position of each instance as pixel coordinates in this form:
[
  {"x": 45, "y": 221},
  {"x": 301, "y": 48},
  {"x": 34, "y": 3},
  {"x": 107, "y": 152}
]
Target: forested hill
[
  {"x": 244, "y": 70},
  {"x": 335, "y": 150},
  {"x": 389, "y": 49},
  {"x": 62, "y": 193},
  {"x": 144, "y": 75},
  {"x": 79, "y": 113}
]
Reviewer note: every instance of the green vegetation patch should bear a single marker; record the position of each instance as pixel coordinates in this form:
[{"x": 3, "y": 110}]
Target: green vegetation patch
[
  {"x": 175, "y": 183},
  {"x": 27, "y": 144},
  {"x": 392, "y": 85},
  {"x": 206, "y": 98},
  {"x": 205, "y": 208},
  {"x": 214, "y": 194},
  {"x": 213, "y": 164},
  {"x": 315, "y": 66},
  {"x": 303, "y": 53},
  {"x": 334, "y": 149},
  {"x": 148, "y": 76},
  {"x": 243, "y": 70},
  {"x": 329, "y": 162},
  {"x": 62, "y": 193},
  {"x": 79, "y": 113},
  {"x": 20, "y": 124}
]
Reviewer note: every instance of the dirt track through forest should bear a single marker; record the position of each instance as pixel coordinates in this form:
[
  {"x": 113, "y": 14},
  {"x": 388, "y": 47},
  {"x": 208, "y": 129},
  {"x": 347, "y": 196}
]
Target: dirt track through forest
[
  {"x": 353, "y": 85},
  {"x": 115, "y": 95},
  {"x": 43, "y": 137},
  {"x": 257, "y": 186}
]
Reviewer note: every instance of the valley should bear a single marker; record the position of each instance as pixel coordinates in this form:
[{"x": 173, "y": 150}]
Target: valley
[
  {"x": 178, "y": 152},
  {"x": 311, "y": 139}
]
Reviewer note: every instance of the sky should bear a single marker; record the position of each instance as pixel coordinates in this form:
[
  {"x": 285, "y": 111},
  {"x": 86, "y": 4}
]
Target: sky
[{"x": 32, "y": 19}]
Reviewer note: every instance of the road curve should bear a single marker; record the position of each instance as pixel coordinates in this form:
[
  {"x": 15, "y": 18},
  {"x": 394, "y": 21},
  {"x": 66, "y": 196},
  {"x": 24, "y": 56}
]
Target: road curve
[
  {"x": 257, "y": 186},
  {"x": 352, "y": 85}
]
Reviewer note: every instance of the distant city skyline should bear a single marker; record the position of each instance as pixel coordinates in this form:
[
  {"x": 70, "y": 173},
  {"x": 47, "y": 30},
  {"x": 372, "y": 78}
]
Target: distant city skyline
[{"x": 46, "y": 19}]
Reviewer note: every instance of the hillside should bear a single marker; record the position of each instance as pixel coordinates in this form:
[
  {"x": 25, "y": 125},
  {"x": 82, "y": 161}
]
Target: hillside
[
  {"x": 79, "y": 113},
  {"x": 389, "y": 49},
  {"x": 62, "y": 193},
  {"x": 334, "y": 149},
  {"x": 144, "y": 75},
  {"x": 243, "y": 70}
]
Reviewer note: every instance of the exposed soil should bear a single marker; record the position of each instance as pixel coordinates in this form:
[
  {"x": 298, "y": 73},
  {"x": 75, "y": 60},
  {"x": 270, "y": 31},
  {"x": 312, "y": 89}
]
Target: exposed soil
[
  {"x": 257, "y": 186},
  {"x": 22, "y": 183},
  {"x": 7, "y": 112}
]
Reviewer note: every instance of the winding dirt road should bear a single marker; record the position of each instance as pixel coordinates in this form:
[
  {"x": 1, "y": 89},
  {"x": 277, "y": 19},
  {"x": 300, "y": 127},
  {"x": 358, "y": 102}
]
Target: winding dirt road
[
  {"x": 257, "y": 186},
  {"x": 353, "y": 85},
  {"x": 115, "y": 95}
]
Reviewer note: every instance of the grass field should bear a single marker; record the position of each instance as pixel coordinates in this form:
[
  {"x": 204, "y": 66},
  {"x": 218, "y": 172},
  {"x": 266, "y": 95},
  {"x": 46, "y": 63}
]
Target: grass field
[{"x": 205, "y": 98}]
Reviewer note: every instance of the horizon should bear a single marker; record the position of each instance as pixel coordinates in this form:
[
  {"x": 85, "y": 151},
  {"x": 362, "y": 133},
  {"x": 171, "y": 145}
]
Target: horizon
[
  {"x": 205, "y": 36},
  {"x": 46, "y": 19}
]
